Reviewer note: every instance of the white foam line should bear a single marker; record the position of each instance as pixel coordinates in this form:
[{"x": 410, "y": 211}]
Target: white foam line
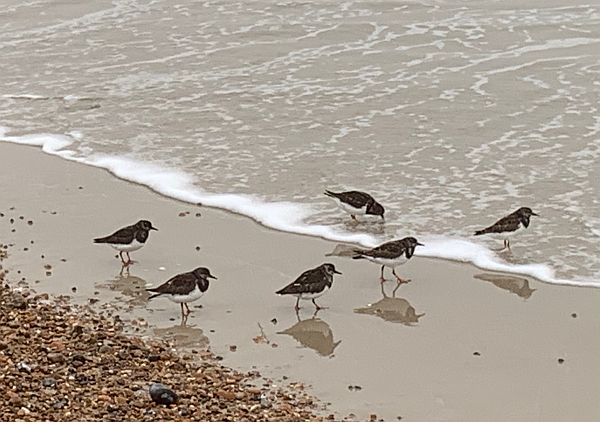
[{"x": 284, "y": 216}]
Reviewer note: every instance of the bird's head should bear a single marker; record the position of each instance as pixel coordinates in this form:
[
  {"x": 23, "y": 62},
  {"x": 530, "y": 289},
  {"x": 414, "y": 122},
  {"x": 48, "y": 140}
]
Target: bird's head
[
  {"x": 145, "y": 225},
  {"x": 203, "y": 272},
  {"x": 330, "y": 269}
]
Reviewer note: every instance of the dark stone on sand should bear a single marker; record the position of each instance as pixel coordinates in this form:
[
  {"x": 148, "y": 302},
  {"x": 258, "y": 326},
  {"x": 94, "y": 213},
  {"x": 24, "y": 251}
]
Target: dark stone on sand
[
  {"x": 476, "y": 354},
  {"x": 48, "y": 382},
  {"x": 153, "y": 358},
  {"x": 561, "y": 360},
  {"x": 24, "y": 367},
  {"x": 59, "y": 404},
  {"x": 161, "y": 394},
  {"x": 17, "y": 301},
  {"x": 55, "y": 357}
]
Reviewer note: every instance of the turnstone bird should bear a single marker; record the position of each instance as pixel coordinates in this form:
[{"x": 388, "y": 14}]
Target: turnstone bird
[
  {"x": 509, "y": 224},
  {"x": 184, "y": 288},
  {"x": 357, "y": 203},
  {"x": 128, "y": 239},
  {"x": 390, "y": 254},
  {"x": 311, "y": 284}
]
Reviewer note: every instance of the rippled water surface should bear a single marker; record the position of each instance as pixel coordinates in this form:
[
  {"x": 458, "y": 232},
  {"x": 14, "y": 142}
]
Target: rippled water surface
[{"x": 451, "y": 113}]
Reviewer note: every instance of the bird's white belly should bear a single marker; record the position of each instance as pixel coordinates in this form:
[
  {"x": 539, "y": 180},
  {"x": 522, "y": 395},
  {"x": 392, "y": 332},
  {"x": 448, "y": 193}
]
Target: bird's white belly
[
  {"x": 391, "y": 263},
  {"x": 192, "y": 296},
  {"x": 311, "y": 296},
  {"x": 351, "y": 210},
  {"x": 133, "y": 246}
]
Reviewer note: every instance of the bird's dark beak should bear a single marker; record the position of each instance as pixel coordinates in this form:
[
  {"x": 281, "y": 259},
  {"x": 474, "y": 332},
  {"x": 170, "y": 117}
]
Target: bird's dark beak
[
  {"x": 532, "y": 213},
  {"x": 420, "y": 244},
  {"x": 153, "y": 228},
  {"x": 337, "y": 272},
  {"x": 212, "y": 276}
]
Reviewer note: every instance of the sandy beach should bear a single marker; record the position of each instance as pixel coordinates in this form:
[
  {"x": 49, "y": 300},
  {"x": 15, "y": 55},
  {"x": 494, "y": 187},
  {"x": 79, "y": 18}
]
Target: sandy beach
[{"x": 455, "y": 344}]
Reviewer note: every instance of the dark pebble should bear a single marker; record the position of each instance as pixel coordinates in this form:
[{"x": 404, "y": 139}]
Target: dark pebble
[
  {"x": 153, "y": 358},
  {"x": 476, "y": 354},
  {"x": 48, "y": 382},
  {"x": 574, "y": 315},
  {"x": 59, "y": 404},
  {"x": 197, "y": 248},
  {"x": 561, "y": 360}
]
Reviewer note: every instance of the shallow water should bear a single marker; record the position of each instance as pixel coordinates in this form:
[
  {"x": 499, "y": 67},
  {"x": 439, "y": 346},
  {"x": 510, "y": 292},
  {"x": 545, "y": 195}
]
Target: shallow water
[{"x": 452, "y": 114}]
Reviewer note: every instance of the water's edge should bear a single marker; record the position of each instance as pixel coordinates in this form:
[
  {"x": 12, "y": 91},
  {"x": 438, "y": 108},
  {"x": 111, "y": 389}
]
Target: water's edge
[{"x": 282, "y": 216}]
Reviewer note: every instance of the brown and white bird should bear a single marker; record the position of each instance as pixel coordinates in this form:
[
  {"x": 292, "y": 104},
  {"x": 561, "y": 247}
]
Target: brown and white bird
[
  {"x": 509, "y": 225},
  {"x": 357, "y": 203},
  {"x": 184, "y": 288},
  {"x": 311, "y": 284},
  {"x": 128, "y": 239},
  {"x": 390, "y": 254}
]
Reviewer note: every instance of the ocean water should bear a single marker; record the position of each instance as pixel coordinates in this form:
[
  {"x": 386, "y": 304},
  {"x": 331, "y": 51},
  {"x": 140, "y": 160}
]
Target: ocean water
[{"x": 451, "y": 113}]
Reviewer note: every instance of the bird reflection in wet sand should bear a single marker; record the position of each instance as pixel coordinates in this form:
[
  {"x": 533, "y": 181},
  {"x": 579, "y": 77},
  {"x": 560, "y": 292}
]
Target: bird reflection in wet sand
[
  {"x": 516, "y": 285},
  {"x": 183, "y": 335},
  {"x": 130, "y": 286},
  {"x": 313, "y": 333},
  {"x": 392, "y": 309}
]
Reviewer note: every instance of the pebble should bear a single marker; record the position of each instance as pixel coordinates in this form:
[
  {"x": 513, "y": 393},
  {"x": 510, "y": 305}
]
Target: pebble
[
  {"x": 48, "y": 382},
  {"x": 56, "y": 357},
  {"x": 108, "y": 372}
]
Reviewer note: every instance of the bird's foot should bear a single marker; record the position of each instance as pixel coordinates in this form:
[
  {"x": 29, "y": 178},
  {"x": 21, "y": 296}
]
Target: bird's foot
[{"x": 400, "y": 281}]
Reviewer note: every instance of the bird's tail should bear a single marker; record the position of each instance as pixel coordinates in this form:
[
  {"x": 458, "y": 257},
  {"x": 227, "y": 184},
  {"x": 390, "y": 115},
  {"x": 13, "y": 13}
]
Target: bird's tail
[
  {"x": 100, "y": 240},
  {"x": 331, "y": 194},
  {"x": 357, "y": 254},
  {"x": 480, "y": 232}
]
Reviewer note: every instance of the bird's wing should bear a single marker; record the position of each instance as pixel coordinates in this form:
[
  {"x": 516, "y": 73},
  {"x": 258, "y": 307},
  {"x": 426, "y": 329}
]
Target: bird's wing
[
  {"x": 310, "y": 281},
  {"x": 180, "y": 284},
  {"x": 510, "y": 223},
  {"x": 121, "y": 236},
  {"x": 354, "y": 198},
  {"x": 389, "y": 250}
]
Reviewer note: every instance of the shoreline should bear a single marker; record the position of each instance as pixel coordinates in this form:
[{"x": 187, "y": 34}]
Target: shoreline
[
  {"x": 418, "y": 370},
  {"x": 471, "y": 252}
]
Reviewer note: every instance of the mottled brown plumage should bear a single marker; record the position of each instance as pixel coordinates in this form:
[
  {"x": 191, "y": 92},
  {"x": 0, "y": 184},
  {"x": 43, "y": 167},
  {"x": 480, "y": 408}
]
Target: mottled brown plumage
[
  {"x": 391, "y": 250},
  {"x": 390, "y": 254},
  {"x": 185, "y": 287},
  {"x": 359, "y": 201},
  {"x": 311, "y": 283},
  {"x": 128, "y": 239},
  {"x": 509, "y": 224},
  {"x": 138, "y": 231}
]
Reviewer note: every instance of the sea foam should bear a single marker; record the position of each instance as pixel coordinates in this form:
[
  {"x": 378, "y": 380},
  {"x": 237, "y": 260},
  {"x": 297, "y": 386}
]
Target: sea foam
[{"x": 283, "y": 216}]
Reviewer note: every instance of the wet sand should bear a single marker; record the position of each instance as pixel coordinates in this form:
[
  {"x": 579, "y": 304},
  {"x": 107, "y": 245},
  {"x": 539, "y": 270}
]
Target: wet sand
[{"x": 456, "y": 344}]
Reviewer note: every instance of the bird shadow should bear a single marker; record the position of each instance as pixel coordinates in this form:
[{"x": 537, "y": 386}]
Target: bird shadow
[
  {"x": 516, "y": 285},
  {"x": 392, "y": 309},
  {"x": 128, "y": 285},
  {"x": 313, "y": 333},
  {"x": 183, "y": 335}
]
